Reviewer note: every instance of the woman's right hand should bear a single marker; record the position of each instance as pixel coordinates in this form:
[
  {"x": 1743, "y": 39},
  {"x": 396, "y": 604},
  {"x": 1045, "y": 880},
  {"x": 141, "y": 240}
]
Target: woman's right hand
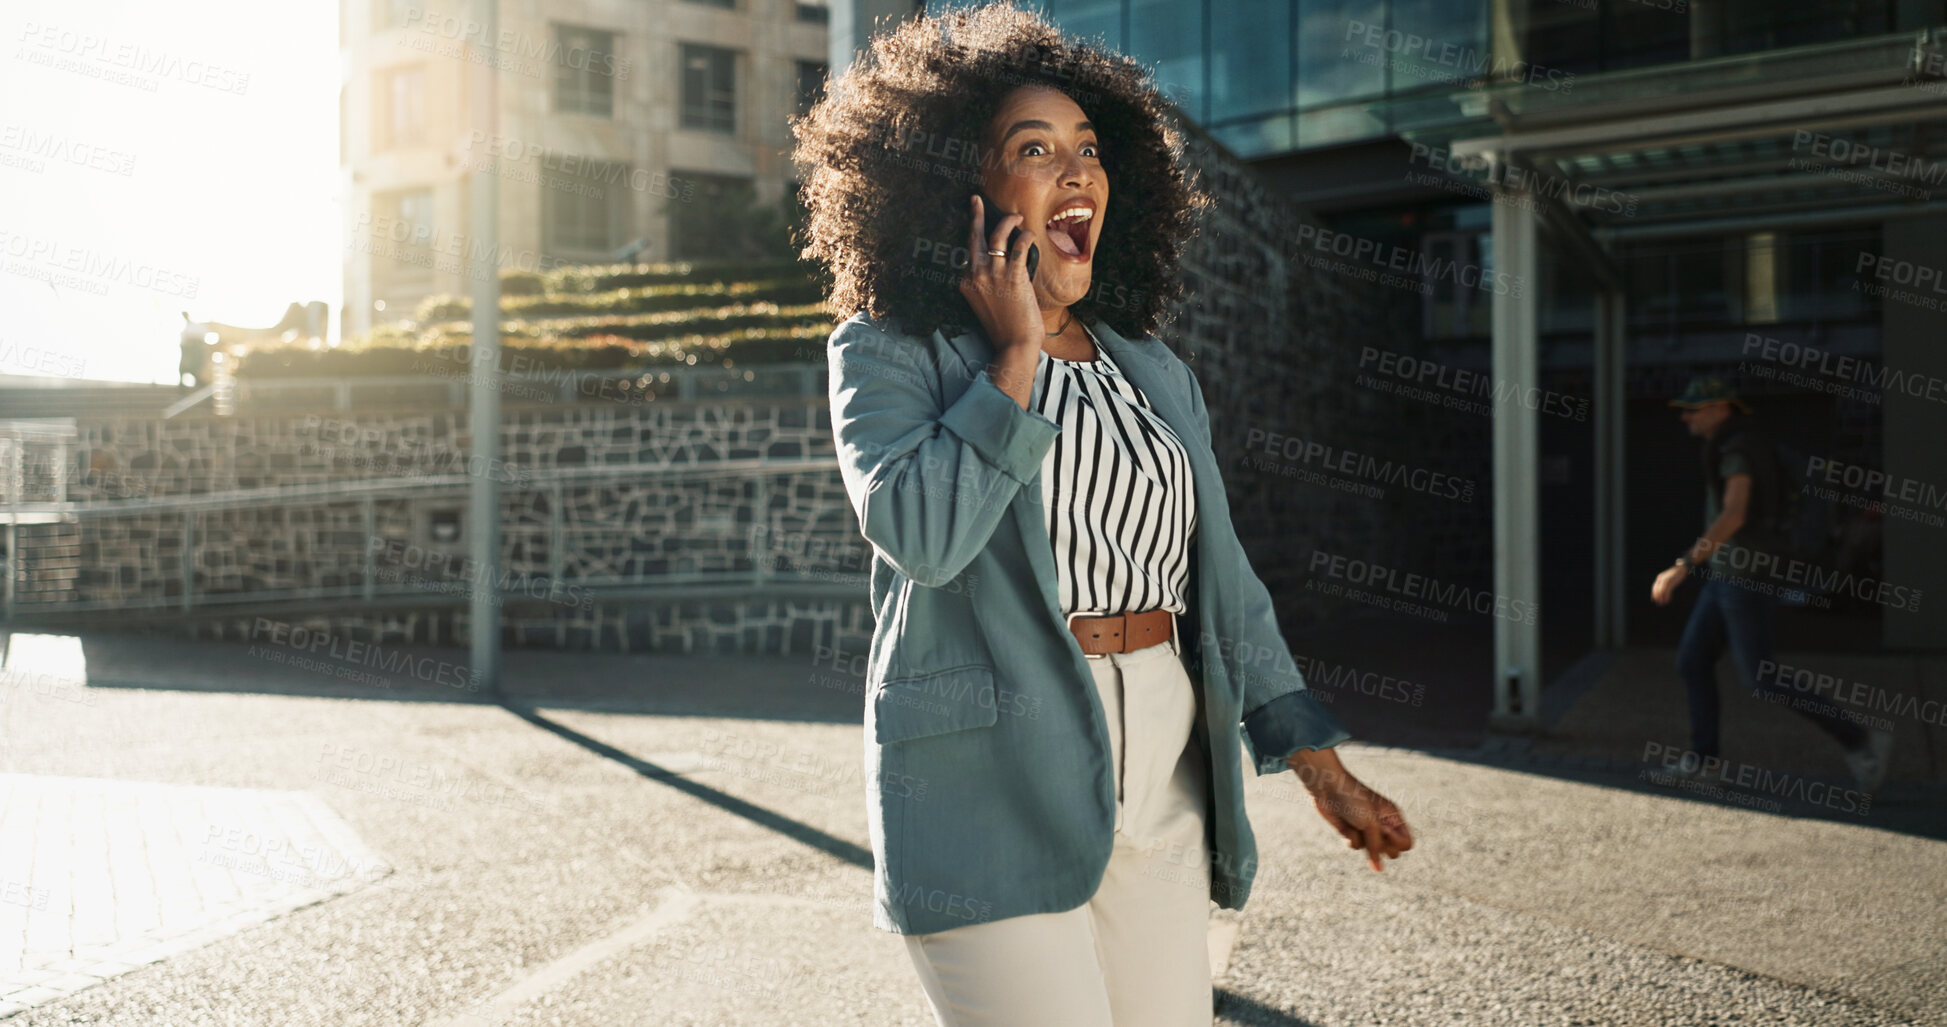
[
  {"x": 998, "y": 288},
  {"x": 1364, "y": 818}
]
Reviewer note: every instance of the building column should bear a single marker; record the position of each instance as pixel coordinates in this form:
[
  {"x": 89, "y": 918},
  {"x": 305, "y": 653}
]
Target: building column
[
  {"x": 1914, "y": 554},
  {"x": 1517, "y": 505},
  {"x": 483, "y": 508},
  {"x": 1610, "y": 409}
]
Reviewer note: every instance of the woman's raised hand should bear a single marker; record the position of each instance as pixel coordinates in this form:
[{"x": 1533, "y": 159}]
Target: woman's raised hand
[{"x": 998, "y": 288}]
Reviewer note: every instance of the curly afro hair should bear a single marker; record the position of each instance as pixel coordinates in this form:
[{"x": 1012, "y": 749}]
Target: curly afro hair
[{"x": 888, "y": 157}]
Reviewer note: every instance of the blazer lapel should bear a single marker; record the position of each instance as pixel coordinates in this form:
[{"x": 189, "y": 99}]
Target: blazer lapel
[{"x": 1149, "y": 373}]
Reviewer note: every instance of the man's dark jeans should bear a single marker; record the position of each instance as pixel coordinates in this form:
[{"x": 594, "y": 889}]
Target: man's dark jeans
[{"x": 1733, "y": 609}]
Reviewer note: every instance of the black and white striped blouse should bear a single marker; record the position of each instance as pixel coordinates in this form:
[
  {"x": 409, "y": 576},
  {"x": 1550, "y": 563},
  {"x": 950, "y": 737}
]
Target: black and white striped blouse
[{"x": 1116, "y": 491}]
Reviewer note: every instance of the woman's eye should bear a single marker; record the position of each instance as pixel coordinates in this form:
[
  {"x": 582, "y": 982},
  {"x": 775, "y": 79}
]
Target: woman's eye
[{"x": 1027, "y": 148}]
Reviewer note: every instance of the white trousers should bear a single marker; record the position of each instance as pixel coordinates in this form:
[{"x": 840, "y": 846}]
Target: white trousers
[{"x": 1136, "y": 954}]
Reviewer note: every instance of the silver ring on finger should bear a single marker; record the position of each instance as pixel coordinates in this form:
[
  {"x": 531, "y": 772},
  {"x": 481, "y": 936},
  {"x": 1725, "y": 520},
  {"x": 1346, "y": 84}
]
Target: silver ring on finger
[{"x": 997, "y": 253}]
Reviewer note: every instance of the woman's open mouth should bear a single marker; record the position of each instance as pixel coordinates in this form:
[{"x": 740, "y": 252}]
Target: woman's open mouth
[{"x": 1068, "y": 231}]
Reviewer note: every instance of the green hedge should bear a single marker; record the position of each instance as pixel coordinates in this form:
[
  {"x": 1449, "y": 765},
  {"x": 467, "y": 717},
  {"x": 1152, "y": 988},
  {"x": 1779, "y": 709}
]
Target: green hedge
[
  {"x": 636, "y": 300},
  {"x": 605, "y": 278},
  {"x": 442, "y": 352},
  {"x": 602, "y": 317}
]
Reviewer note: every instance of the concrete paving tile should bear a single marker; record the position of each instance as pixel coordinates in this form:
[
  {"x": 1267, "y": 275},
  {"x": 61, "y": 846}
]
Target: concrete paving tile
[{"x": 128, "y": 884}]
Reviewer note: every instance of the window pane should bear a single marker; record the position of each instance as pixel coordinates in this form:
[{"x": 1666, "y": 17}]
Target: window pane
[
  {"x": 1435, "y": 43},
  {"x": 1167, "y": 35},
  {"x": 1565, "y": 36},
  {"x": 1820, "y": 270},
  {"x": 1634, "y": 35},
  {"x": 585, "y": 64},
  {"x": 402, "y": 236},
  {"x": 1090, "y": 19},
  {"x": 713, "y": 223},
  {"x": 1250, "y": 71},
  {"x": 811, "y": 84},
  {"x": 401, "y": 95},
  {"x": 587, "y": 210},
  {"x": 1334, "y": 61},
  {"x": 709, "y": 88},
  {"x": 1454, "y": 52},
  {"x": 408, "y": 105}
]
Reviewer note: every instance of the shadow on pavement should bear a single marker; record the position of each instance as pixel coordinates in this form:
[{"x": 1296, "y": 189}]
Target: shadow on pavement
[
  {"x": 1609, "y": 719},
  {"x": 795, "y": 830},
  {"x": 1248, "y": 1011}
]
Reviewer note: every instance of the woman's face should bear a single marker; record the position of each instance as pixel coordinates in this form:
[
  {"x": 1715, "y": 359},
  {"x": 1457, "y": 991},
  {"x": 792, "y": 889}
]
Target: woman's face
[{"x": 1044, "y": 161}]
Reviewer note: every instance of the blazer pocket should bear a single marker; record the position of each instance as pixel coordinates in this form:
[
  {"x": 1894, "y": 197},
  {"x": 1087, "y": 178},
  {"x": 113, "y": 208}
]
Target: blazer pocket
[{"x": 934, "y": 704}]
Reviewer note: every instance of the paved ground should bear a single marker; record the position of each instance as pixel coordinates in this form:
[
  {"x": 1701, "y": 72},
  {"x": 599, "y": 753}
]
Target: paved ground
[
  {"x": 100, "y": 877},
  {"x": 640, "y": 840}
]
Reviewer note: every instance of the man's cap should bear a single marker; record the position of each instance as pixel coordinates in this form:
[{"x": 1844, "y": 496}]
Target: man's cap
[{"x": 1705, "y": 389}]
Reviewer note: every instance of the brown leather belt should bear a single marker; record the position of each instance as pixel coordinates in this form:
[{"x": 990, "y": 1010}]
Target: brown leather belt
[{"x": 1120, "y": 632}]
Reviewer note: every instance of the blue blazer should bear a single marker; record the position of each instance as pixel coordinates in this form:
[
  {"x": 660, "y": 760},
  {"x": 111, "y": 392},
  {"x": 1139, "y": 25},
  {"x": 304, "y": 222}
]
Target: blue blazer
[{"x": 989, "y": 777}]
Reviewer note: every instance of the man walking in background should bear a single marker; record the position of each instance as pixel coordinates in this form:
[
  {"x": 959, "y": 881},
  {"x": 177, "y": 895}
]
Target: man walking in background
[{"x": 1742, "y": 502}]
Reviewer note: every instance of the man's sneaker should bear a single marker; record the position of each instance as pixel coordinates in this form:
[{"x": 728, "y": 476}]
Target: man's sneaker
[{"x": 1868, "y": 763}]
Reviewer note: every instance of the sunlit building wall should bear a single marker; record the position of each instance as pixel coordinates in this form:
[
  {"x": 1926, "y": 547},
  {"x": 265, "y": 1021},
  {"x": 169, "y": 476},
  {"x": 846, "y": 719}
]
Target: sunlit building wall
[{"x": 622, "y": 130}]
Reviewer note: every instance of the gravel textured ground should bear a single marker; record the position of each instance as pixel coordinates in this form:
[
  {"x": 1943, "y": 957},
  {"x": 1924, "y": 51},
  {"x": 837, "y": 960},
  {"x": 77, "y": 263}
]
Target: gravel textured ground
[{"x": 657, "y": 842}]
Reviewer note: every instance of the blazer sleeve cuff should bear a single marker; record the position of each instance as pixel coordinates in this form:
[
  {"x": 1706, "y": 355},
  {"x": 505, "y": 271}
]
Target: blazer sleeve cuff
[
  {"x": 1004, "y": 433},
  {"x": 1293, "y": 721}
]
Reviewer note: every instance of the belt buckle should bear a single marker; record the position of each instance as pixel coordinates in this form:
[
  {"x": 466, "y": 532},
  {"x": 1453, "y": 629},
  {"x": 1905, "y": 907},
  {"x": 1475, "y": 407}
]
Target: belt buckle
[{"x": 1078, "y": 642}]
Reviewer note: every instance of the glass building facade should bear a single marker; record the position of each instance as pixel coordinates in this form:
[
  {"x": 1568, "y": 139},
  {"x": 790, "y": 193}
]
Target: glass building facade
[{"x": 1272, "y": 76}]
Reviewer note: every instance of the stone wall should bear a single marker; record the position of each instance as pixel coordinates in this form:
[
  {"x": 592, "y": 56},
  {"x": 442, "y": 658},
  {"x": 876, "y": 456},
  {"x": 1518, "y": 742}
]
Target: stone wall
[
  {"x": 1275, "y": 337},
  {"x": 568, "y": 546},
  {"x": 121, "y": 459}
]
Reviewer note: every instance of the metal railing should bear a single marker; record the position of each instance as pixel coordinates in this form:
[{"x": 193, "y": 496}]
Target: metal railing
[
  {"x": 189, "y": 402},
  {"x": 795, "y": 379},
  {"x": 34, "y": 459}
]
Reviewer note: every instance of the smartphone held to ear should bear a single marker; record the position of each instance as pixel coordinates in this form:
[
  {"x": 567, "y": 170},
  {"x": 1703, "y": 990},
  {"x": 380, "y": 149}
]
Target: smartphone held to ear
[{"x": 994, "y": 215}]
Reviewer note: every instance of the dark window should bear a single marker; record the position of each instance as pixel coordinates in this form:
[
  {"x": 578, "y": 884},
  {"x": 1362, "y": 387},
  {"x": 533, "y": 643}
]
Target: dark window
[
  {"x": 728, "y": 5},
  {"x": 709, "y": 88},
  {"x": 586, "y": 212},
  {"x": 713, "y": 220},
  {"x": 811, "y": 84},
  {"x": 443, "y": 525},
  {"x": 819, "y": 12},
  {"x": 1452, "y": 306},
  {"x": 584, "y": 71}
]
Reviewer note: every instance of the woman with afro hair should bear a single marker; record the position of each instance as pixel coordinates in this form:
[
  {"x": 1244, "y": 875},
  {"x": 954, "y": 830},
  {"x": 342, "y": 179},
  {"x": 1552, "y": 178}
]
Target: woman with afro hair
[{"x": 1070, "y": 648}]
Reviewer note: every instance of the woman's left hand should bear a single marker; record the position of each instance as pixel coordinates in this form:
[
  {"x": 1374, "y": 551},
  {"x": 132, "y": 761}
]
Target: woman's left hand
[{"x": 1366, "y": 819}]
